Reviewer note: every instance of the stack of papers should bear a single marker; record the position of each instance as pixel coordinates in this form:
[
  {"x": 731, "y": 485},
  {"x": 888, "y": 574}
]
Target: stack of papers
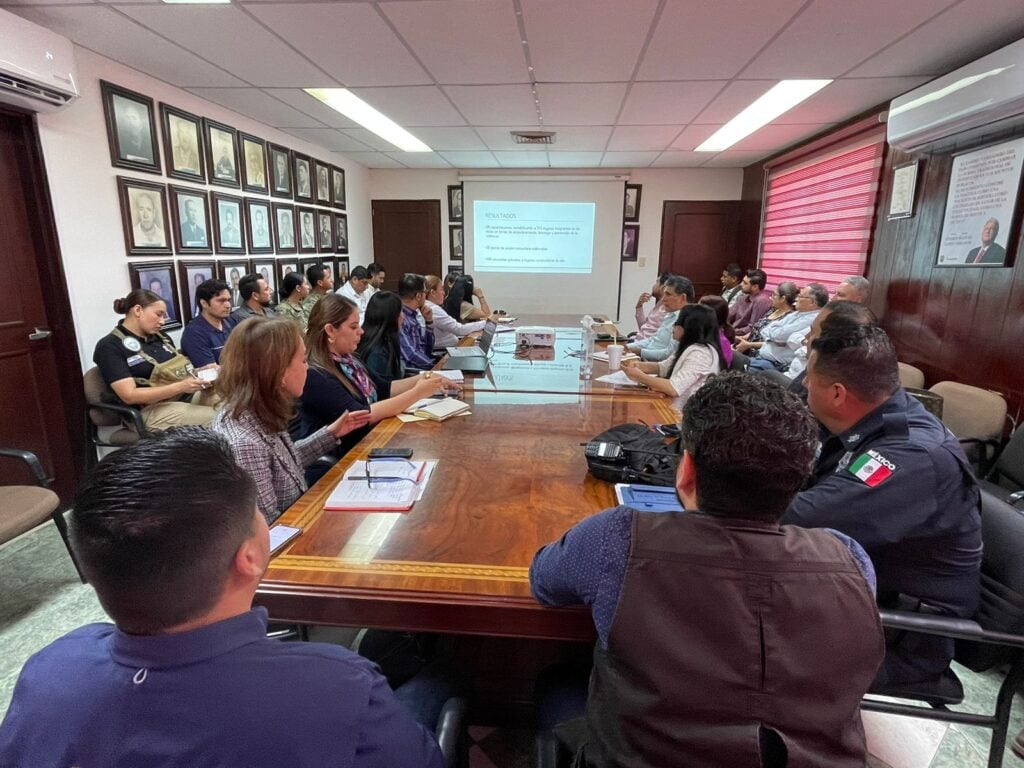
[
  {"x": 439, "y": 410},
  {"x": 619, "y": 379},
  {"x": 386, "y": 485},
  {"x": 603, "y": 355},
  {"x": 451, "y": 375}
]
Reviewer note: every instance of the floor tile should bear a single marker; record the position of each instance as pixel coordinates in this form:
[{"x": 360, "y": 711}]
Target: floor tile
[
  {"x": 956, "y": 751},
  {"x": 902, "y": 742}
]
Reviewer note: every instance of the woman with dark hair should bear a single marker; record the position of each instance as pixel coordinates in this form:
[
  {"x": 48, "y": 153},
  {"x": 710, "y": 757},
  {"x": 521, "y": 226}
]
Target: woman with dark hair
[
  {"x": 783, "y": 302},
  {"x": 379, "y": 346},
  {"x": 263, "y": 370},
  {"x": 726, "y": 335},
  {"x": 143, "y": 368},
  {"x": 339, "y": 381},
  {"x": 459, "y": 302},
  {"x": 697, "y": 356},
  {"x": 294, "y": 289}
]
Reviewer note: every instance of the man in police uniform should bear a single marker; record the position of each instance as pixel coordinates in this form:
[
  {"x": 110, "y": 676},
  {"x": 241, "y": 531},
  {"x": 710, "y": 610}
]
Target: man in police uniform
[{"x": 892, "y": 477}]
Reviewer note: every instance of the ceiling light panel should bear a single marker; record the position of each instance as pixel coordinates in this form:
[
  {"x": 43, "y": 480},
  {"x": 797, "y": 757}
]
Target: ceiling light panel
[{"x": 354, "y": 108}]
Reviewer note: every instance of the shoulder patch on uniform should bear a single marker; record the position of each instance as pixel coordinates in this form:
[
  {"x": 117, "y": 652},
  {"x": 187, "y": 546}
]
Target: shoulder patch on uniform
[{"x": 872, "y": 468}]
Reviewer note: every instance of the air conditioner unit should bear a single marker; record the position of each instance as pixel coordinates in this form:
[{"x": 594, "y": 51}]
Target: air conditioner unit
[
  {"x": 37, "y": 66},
  {"x": 985, "y": 94}
]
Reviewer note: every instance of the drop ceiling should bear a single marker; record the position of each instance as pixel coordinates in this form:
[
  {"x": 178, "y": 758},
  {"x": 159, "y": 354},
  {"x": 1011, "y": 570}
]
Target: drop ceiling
[{"x": 624, "y": 83}]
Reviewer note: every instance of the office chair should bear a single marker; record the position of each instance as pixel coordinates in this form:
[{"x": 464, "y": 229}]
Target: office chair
[
  {"x": 976, "y": 416},
  {"x": 127, "y": 424},
  {"x": 23, "y": 507},
  {"x": 1008, "y": 466},
  {"x": 993, "y": 637},
  {"x": 911, "y": 376}
]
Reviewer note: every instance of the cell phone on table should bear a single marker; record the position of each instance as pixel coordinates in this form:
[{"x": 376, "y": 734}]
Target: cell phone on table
[
  {"x": 391, "y": 453},
  {"x": 281, "y": 535}
]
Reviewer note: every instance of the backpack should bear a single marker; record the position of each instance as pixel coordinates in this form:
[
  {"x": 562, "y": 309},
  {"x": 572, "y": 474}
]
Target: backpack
[{"x": 646, "y": 456}]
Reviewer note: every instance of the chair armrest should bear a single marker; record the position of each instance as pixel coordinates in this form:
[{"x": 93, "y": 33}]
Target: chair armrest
[
  {"x": 1013, "y": 498},
  {"x": 947, "y": 626},
  {"x": 451, "y": 730},
  {"x": 132, "y": 414},
  {"x": 33, "y": 464}
]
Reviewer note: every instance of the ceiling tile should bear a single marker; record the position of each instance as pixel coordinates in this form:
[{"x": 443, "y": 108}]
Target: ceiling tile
[
  {"x": 730, "y": 159},
  {"x": 846, "y": 98},
  {"x": 711, "y": 40},
  {"x": 773, "y": 137},
  {"x": 419, "y": 159},
  {"x": 674, "y": 159},
  {"x": 574, "y": 159},
  {"x": 572, "y": 104},
  {"x": 412, "y": 105},
  {"x": 667, "y": 103},
  {"x": 230, "y": 38},
  {"x": 603, "y": 48},
  {"x": 831, "y": 36},
  {"x": 110, "y": 34},
  {"x": 258, "y": 105},
  {"x": 349, "y": 40},
  {"x": 450, "y": 139},
  {"x": 963, "y": 33},
  {"x": 370, "y": 139},
  {"x": 579, "y": 138},
  {"x": 522, "y": 159},
  {"x": 501, "y": 139},
  {"x": 315, "y": 108},
  {"x": 642, "y": 137},
  {"x": 734, "y": 98},
  {"x": 693, "y": 136},
  {"x": 495, "y": 104},
  {"x": 462, "y": 41},
  {"x": 373, "y": 159},
  {"x": 628, "y": 159},
  {"x": 328, "y": 138},
  {"x": 470, "y": 159}
]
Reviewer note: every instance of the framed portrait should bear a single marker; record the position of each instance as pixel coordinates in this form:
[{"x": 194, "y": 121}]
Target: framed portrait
[
  {"x": 231, "y": 271},
  {"x": 338, "y": 186},
  {"x": 267, "y": 269},
  {"x": 455, "y": 245},
  {"x": 454, "y": 269},
  {"x": 144, "y": 217},
  {"x": 131, "y": 128},
  {"x": 221, "y": 153},
  {"x": 982, "y": 219},
  {"x": 323, "y": 182},
  {"x": 631, "y": 204},
  {"x": 330, "y": 264},
  {"x": 280, "y": 166},
  {"x": 284, "y": 228},
  {"x": 306, "y": 229},
  {"x": 303, "y": 170},
  {"x": 305, "y": 264},
  {"x": 228, "y": 223},
  {"x": 342, "y": 274},
  {"x": 158, "y": 277},
  {"x": 254, "y": 163},
  {"x": 284, "y": 266},
  {"x": 183, "y": 144},
  {"x": 901, "y": 195},
  {"x": 325, "y": 231},
  {"x": 630, "y": 239},
  {"x": 193, "y": 274},
  {"x": 258, "y": 229},
  {"x": 454, "y": 202},
  {"x": 190, "y": 215},
  {"x": 341, "y": 232}
]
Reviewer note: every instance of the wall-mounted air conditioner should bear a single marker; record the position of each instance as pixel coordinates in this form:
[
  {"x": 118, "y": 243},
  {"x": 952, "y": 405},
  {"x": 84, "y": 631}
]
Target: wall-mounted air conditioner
[
  {"x": 37, "y": 66},
  {"x": 984, "y": 95}
]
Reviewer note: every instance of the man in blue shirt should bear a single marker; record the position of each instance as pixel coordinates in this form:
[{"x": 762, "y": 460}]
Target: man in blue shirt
[
  {"x": 169, "y": 535},
  {"x": 416, "y": 341},
  {"x": 205, "y": 336}
]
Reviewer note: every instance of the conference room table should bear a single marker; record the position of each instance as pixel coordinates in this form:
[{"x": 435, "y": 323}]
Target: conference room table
[{"x": 510, "y": 477}]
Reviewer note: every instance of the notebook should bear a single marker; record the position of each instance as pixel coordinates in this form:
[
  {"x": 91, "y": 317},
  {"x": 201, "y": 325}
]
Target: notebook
[
  {"x": 393, "y": 485},
  {"x": 439, "y": 410}
]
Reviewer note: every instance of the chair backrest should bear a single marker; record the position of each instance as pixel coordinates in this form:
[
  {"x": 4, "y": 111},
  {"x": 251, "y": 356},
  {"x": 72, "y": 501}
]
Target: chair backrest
[
  {"x": 95, "y": 389},
  {"x": 1002, "y": 582},
  {"x": 1010, "y": 463},
  {"x": 971, "y": 411},
  {"x": 911, "y": 376}
]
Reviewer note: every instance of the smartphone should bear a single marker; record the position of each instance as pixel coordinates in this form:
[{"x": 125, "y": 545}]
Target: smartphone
[
  {"x": 281, "y": 535},
  {"x": 391, "y": 453}
]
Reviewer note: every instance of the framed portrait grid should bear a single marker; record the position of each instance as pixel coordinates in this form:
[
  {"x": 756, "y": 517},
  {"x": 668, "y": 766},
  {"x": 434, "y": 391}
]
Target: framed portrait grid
[{"x": 131, "y": 128}]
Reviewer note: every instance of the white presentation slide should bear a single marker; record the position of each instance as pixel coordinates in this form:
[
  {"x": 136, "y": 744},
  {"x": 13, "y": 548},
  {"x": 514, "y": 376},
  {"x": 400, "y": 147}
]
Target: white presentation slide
[{"x": 537, "y": 237}]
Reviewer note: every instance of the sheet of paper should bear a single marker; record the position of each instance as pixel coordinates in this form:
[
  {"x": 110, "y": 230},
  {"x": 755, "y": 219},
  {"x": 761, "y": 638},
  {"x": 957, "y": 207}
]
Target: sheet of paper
[
  {"x": 408, "y": 418},
  {"x": 603, "y": 355},
  {"x": 354, "y": 493},
  {"x": 452, "y": 375},
  {"x": 619, "y": 379}
]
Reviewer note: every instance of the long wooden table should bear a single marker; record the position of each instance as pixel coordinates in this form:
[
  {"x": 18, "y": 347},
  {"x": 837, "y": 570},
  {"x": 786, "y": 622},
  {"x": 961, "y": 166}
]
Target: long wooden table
[{"x": 510, "y": 477}]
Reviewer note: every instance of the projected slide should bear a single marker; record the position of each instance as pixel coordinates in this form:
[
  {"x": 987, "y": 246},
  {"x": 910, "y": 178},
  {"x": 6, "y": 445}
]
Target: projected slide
[{"x": 544, "y": 238}]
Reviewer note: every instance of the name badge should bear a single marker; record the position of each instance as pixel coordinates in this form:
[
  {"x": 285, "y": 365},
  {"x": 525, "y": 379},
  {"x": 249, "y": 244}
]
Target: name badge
[{"x": 135, "y": 360}]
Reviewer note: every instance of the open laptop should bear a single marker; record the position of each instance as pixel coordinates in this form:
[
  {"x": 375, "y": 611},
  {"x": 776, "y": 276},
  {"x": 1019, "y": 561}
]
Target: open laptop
[{"x": 471, "y": 359}]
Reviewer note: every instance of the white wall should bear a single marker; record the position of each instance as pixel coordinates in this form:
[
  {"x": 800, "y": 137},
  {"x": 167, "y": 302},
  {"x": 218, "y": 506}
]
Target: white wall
[
  {"x": 83, "y": 188},
  {"x": 659, "y": 185}
]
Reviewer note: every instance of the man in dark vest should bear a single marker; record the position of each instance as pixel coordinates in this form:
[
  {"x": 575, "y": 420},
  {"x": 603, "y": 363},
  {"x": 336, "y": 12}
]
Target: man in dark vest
[{"x": 723, "y": 638}]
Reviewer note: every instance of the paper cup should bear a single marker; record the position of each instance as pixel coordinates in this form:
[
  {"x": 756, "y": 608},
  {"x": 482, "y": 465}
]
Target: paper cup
[{"x": 614, "y": 356}]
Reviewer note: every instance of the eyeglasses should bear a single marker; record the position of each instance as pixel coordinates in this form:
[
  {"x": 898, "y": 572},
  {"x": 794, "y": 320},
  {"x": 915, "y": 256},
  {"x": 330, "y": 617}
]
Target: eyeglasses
[{"x": 387, "y": 478}]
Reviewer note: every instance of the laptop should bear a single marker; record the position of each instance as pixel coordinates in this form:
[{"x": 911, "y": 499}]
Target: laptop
[{"x": 471, "y": 359}]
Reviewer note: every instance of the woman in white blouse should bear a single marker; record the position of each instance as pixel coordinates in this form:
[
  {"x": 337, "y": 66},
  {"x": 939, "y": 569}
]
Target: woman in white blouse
[
  {"x": 447, "y": 329},
  {"x": 697, "y": 356}
]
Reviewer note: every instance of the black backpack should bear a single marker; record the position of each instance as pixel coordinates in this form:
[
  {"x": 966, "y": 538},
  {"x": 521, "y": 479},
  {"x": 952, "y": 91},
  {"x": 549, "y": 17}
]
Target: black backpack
[{"x": 646, "y": 457}]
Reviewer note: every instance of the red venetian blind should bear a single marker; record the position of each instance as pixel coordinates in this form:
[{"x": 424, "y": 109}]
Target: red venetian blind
[{"x": 819, "y": 213}]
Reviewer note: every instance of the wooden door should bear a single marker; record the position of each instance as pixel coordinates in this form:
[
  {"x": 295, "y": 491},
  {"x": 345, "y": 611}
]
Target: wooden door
[
  {"x": 699, "y": 238},
  {"x": 41, "y": 398},
  {"x": 406, "y": 238}
]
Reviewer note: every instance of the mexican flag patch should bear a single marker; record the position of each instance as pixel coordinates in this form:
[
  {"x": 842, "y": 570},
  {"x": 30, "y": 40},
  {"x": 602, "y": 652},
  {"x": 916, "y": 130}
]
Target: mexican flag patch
[{"x": 872, "y": 468}]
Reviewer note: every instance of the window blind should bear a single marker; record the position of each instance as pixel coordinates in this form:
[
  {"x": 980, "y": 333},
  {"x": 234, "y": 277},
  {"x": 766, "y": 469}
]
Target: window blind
[{"x": 819, "y": 213}]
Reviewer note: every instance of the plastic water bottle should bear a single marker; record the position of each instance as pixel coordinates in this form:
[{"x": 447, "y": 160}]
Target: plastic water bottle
[{"x": 587, "y": 356}]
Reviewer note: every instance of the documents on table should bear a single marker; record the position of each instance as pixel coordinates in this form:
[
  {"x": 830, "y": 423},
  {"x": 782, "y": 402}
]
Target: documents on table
[
  {"x": 603, "y": 355},
  {"x": 619, "y": 379},
  {"x": 452, "y": 375},
  {"x": 393, "y": 485},
  {"x": 435, "y": 409}
]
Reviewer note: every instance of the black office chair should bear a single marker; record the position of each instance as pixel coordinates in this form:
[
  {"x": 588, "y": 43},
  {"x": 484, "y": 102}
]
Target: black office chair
[
  {"x": 994, "y": 637},
  {"x": 1008, "y": 470},
  {"x": 451, "y": 733},
  {"x": 123, "y": 424}
]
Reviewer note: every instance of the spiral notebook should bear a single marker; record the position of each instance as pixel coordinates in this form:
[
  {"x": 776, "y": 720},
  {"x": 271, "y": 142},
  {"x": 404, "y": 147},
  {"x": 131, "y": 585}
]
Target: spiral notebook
[{"x": 392, "y": 485}]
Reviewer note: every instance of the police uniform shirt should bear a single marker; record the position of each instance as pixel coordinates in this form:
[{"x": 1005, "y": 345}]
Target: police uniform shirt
[{"x": 120, "y": 359}]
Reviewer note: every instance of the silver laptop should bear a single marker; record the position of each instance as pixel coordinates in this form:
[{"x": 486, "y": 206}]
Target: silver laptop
[{"x": 476, "y": 351}]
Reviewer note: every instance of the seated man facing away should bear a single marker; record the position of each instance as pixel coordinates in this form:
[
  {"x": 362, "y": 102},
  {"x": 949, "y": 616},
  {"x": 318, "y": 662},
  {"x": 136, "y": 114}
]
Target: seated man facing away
[
  {"x": 723, "y": 638},
  {"x": 895, "y": 479},
  {"x": 168, "y": 533}
]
